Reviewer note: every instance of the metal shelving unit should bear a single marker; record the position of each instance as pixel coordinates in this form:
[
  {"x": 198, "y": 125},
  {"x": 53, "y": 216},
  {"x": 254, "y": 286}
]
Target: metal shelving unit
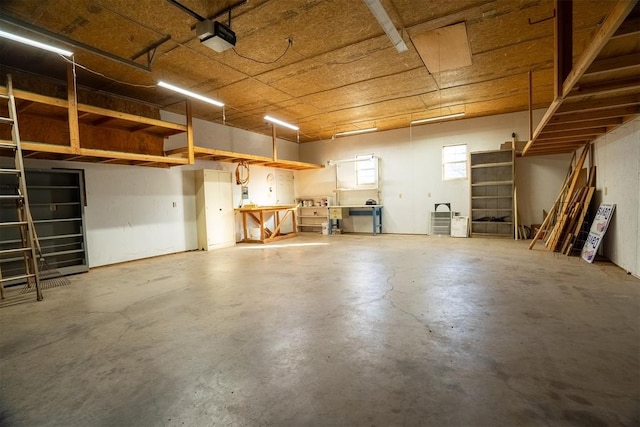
[
  {"x": 57, "y": 207},
  {"x": 492, "y": 184}
]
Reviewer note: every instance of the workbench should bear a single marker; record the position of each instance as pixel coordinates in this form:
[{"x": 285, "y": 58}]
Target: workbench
[
  {"x": 260, "y": 215},
  {"x": 374, "y": 211}
]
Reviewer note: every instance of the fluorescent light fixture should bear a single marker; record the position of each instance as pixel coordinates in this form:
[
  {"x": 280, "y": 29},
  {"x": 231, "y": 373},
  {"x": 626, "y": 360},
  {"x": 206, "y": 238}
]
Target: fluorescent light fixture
[
  {"x": 189, "y": 93},
  {"x": 385, "y": 22},
  {"x": 34, "y": 43},
  {"x": 281, "y": 123},
  {"x": 365, "y": 158},
  {"x": 436, "y": 119},
  {"x": 355, "y": 132}
]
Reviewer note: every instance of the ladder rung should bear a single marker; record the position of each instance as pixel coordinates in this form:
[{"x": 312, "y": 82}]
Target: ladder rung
[
  {"x": 10, "y": 171},
  {"x": 3, "y": 96},
  {"x": 22, "y": 276},
  {"x": 8, "y": 120},
  {"x": 11, "y": 197},
  {"x": 14, "y": 251},
  {"x": 13, "y": 223},
  {"x": 9, "y": 145}
]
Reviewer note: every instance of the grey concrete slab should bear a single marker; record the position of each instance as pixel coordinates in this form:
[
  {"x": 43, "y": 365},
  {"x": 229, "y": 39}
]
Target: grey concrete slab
[{"x": 330, "y": 330}]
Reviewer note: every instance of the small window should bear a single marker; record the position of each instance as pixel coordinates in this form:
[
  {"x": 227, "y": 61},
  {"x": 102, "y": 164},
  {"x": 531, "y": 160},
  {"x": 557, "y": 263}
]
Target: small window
[
  {"x": 454, "y": 162},
  {"x": 365, "y": 170}
]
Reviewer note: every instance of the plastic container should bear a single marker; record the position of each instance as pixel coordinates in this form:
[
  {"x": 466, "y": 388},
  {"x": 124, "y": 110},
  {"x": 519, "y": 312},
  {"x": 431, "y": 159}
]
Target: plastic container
[
  {"x": 325, "y": 228},
  {"x": 254, "y": 233}
]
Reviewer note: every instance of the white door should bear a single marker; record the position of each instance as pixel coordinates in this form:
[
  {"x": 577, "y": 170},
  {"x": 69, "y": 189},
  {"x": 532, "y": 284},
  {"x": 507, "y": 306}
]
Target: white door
[
  {"x": 285, "y": 196},
  {"x": 284, "y": 188},
  {"x": 214, "y": 207},
  {"x": 220, "y": 221}
]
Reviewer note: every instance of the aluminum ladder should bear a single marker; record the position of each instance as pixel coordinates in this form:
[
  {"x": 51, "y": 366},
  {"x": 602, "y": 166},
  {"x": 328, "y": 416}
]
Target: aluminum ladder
[{"x": 15, "y": 190}]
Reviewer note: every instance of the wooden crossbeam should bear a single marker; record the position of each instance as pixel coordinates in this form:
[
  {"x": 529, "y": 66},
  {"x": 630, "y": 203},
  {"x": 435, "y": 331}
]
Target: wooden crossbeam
[
  {"x": 591, "y": 124},
  {"x": 624, "y": 62},
  {"x": 588, "y": 116}
]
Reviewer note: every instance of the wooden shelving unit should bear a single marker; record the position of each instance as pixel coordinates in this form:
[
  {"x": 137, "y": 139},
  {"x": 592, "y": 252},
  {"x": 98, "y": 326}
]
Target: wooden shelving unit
[
  {"x": 492, "y": 184},
  {"x": 56, "y": 129},
  {"x": 61, "y": 129},
  {"x": 312, "y": 213}
]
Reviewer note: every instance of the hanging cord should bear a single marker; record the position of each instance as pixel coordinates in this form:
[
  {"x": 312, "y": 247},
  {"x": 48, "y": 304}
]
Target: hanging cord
[
  {"x": 242, "y": 166},
  {"x": 289, "y": 44}
]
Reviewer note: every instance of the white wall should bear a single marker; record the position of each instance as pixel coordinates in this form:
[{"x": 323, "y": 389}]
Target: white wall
[
  {"x": 538, "y": 182},
  {"x": 617, "y": 159},
  {"x": 130, "y": 213},
  {"x": 214, "y": 135},
  {"x": 411, "y": 168}
]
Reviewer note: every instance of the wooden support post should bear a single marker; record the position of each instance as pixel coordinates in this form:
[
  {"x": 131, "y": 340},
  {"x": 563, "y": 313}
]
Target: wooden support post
[
  {"x": 190, "y": 151},
  {"x": 262, "y": 235},
  {"x": 563, "y": 40},
  {"x": 530, "y": 105},
  {"x": 72, "y": 107}
]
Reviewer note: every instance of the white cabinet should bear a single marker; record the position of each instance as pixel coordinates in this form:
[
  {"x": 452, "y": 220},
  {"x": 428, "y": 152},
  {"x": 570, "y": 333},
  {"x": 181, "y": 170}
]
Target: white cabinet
[{"x": 214, "y": 209}]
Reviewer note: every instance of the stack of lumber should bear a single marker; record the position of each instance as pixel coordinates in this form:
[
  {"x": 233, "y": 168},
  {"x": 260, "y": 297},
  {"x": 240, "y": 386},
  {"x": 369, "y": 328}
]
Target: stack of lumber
[{"x": 567, "y": 215}]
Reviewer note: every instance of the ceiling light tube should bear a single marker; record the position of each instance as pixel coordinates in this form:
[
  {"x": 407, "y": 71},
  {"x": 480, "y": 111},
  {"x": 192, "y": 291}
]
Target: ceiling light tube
[
  {"x": 281, "y": 123},
  {"x": 191, "y": 94},
  {"x": 34, "y": 43},
  {"x": 383, "y": 19},
  {"x": 435, "y": 119},
  {"x": 355, "y": 132}
]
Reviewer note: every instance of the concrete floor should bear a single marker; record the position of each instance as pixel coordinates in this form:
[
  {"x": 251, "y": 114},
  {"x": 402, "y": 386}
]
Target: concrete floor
[{"x": 340, "y": 330}]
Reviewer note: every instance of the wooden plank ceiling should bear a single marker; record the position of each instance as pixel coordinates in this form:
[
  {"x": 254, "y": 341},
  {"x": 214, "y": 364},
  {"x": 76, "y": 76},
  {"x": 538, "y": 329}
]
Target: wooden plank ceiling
[{"x": 339, "y": 73}]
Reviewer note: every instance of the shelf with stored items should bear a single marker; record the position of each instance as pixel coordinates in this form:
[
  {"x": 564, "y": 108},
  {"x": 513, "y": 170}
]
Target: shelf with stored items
[
  {"x": 492, "y": 189},
  {"x": 313, "y": 213}
]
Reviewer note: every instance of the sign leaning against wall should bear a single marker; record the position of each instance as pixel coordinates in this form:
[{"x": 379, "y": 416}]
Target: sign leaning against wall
[{"x": 597, "y": 231}]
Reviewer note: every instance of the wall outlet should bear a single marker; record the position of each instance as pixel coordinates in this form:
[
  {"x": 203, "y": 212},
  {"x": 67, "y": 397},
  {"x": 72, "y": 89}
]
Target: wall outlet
[
  {"x": 428, "y": 194},
  {"x": 175, "y": 204},
  {"x": 606, "y": 190},
  {"x": 400, "y": 196}
]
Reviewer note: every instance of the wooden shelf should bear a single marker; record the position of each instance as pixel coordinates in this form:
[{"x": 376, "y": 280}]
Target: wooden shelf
[
  {"x": 38, "y": 150},
  {"x": 487, "y": 183},
  {"x": 55, "y": 129},
  {"x": 204, "y": 153},
  {"x": 491, "y": 165},
  {"x": 136, "y": 140}
]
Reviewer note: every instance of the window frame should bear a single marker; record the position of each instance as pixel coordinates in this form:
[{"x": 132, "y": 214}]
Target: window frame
[
  {"x": 366, "y": 162},
  {"x": 457, "y": 161}
]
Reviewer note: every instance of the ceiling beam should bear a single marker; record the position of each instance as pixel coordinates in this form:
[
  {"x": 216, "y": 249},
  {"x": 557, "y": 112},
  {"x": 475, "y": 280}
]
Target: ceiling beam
[{"x": 563, "y": 43}]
